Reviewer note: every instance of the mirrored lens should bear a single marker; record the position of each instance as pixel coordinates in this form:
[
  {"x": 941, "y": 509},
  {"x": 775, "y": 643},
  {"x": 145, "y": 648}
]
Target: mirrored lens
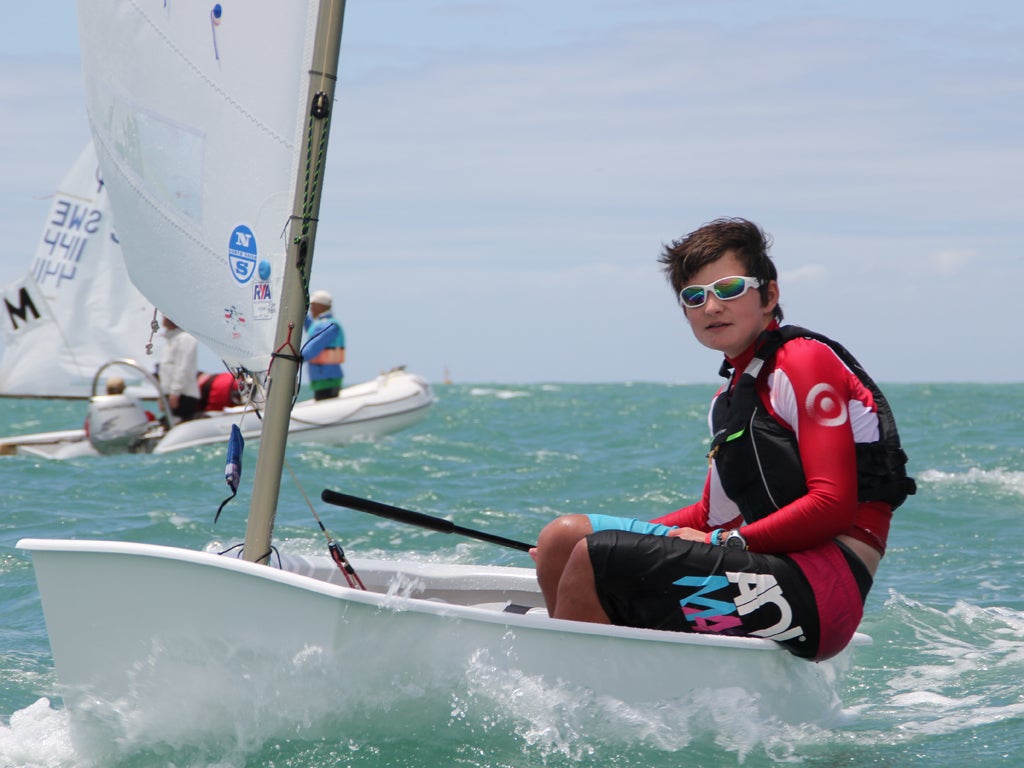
[
  {"x": 729, "y": 287},
  {"x": 692, "y": 296}
]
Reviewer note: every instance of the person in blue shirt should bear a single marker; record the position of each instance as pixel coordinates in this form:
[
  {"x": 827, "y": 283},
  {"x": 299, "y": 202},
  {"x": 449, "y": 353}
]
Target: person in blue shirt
[{"x": 324, "y": 350}]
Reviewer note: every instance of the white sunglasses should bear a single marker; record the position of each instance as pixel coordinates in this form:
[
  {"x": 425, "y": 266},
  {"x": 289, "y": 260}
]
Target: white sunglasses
[{"x": 725, "y": 288}]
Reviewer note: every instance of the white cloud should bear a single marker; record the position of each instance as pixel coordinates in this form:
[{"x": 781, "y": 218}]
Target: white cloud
[
  {"x": 810, "y": 273},
  {"x": 949, "y": 263}
]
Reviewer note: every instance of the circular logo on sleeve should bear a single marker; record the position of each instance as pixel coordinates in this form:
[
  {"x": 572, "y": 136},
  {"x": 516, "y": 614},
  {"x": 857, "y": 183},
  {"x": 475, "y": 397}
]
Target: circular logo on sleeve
[{"x": 824, "y": 405}]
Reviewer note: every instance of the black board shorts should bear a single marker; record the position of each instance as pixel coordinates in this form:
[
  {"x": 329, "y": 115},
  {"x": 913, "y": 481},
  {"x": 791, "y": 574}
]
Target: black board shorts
[{"x": 664, "y": 582}]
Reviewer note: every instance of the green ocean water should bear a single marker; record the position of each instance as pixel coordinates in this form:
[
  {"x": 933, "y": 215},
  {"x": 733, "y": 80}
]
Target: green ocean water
[{"x": 939, "y": 687}]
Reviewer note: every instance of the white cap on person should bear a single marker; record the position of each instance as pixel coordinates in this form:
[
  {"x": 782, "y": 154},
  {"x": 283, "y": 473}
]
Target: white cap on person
[{"x": 321, "y": 297}]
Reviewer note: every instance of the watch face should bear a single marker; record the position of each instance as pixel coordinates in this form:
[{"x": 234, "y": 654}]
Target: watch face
[{"x": 735, "y": 541}]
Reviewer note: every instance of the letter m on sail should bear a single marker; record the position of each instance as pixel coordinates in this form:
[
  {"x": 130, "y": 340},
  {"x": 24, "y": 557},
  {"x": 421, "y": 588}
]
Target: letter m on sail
[{"x": 21, "y": 309}]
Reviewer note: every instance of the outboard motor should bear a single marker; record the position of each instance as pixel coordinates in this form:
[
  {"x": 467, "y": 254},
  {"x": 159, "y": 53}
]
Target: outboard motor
[{"x": 116, "y": 424}]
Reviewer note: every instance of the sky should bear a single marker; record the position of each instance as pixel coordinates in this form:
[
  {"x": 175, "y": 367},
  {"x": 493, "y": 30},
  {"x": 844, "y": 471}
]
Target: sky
[{"x": 503, "y": 175}]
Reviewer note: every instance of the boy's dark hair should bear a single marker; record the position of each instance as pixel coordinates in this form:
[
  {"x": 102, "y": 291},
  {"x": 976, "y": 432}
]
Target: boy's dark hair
[{"x": 687, "y": 256}]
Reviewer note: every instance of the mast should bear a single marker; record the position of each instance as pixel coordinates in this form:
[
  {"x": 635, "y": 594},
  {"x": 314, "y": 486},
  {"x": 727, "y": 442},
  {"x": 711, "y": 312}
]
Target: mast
[{"x": 295, "y": 289}]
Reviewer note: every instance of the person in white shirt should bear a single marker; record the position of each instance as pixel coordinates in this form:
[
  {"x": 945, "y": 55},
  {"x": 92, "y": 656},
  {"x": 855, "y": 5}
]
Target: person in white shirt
[{"x": 178, "y": 371}]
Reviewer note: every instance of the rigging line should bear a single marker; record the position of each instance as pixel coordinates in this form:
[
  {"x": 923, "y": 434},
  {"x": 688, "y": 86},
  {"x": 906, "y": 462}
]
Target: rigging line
[
  {"x": 273, "y": 550},
  {"x": 244, "y": 383},
  {"x": 223, "y": 504},
  {"x": 315, "y": 161},
  {"x": 298, "y": 383},
  {"x": 337, "y": 554},
  {"x": 300, "y": 261},
  {"x": 319, "y": 110},
  {"x": 295, "y": 355},
  {"x": 307, "y": 193},
  {"x": 253, "y": 391},
  {"x": 310, "y": 340},
  {"x": 321, "y": 154}
]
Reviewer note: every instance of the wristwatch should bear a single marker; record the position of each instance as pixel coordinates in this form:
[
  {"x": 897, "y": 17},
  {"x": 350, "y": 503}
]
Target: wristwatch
[{"x": 734, "y": 540}]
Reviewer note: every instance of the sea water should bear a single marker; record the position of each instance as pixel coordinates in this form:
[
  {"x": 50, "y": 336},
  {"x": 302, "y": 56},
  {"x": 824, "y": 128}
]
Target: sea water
[{"x": 940, "y": 686}]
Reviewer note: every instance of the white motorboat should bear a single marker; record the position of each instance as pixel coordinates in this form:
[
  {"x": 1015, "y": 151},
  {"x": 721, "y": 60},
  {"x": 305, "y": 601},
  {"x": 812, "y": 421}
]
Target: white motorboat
[{"x": 395, "y": 400}]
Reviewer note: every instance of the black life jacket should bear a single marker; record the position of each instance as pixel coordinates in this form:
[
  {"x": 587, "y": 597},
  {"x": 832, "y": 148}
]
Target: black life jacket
[{"x": 758, "y": 459}]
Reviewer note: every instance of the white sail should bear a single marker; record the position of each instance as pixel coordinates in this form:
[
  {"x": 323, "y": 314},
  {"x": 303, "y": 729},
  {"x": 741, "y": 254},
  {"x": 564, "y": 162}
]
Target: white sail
[
  {"x": 76, "y": 308},
  {"x": 202, "y": 166}
]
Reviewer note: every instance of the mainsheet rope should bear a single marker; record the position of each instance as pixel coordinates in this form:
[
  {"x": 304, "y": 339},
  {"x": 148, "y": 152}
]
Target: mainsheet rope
[{"x": 337, "y": 554}]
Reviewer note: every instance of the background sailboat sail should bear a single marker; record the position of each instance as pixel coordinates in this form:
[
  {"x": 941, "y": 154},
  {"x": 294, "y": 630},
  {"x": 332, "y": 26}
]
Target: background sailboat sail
[
  {"x": 196, "y": 127},
  {"x": 76, "y": 308}
]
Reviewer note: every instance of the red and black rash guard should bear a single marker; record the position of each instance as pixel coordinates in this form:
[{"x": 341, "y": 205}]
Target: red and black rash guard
[{"x": 812, "y": 393}]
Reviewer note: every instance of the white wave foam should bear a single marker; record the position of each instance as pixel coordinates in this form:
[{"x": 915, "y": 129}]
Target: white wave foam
[
  {"x": 500, "y": 394},
  {"x": 961, "y": 669},
  {"x": 560, "y": 724},
  {"x": 38, "y": 737},
  {"x": 1001, "y": 479}
]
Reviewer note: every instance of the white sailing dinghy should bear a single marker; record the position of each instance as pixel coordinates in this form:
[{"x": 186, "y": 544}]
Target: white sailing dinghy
[
  {"x": 77, "y": 316},
  {"x": 138, "y": 628}
]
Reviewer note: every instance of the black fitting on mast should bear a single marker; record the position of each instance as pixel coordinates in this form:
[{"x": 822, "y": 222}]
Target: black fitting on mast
[{"x": 321, "y": 106}]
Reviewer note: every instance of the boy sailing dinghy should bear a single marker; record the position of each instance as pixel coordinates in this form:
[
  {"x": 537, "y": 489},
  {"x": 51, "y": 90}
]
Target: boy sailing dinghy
[{"x": 138, "y": 628}]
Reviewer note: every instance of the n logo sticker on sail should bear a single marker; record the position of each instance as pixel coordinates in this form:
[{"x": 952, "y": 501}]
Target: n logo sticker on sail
[{"x": 242, "y": 254}]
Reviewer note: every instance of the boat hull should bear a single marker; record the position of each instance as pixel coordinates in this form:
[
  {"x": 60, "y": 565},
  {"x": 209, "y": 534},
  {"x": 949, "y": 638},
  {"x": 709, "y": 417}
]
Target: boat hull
[
  {"x": 138, "y": 629},
  {"x": 393, "y": 401}
]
